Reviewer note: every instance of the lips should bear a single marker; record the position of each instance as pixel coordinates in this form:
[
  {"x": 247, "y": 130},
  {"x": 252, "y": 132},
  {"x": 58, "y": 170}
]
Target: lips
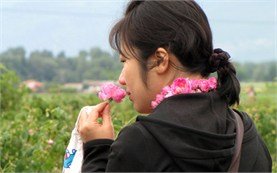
[{"x": 129, "y": 94}]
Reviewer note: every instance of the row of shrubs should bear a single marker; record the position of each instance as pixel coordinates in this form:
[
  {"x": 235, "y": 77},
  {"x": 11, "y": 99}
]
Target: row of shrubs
[{"x": 35, "y": 128}]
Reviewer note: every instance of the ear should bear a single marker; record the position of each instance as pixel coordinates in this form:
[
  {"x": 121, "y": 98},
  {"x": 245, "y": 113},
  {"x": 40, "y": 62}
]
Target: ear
[{"x": 161, "y": 60}]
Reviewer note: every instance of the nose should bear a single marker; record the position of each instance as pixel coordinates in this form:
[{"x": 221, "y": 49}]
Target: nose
[{"x": 121, "y": 78}]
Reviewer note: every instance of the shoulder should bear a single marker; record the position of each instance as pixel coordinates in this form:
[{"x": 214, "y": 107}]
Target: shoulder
[
  {"x": 247, "y": 121},
  {"x": 250, "y": 131},
  {"x": 254, "y": 150}
]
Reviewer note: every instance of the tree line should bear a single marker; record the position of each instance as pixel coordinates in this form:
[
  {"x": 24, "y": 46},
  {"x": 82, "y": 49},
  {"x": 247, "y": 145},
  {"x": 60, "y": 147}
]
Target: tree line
[{"x": 96, "y": 64}]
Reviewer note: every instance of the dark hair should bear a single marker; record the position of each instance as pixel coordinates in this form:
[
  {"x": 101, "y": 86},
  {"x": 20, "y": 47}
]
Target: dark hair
[{"x": 183, "y": 29}]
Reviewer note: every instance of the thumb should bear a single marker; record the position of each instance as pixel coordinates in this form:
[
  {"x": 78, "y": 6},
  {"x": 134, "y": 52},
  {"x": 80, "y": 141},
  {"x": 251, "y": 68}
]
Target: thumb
[
  {"x": 97, "y": 111},
  {"x": 106, "y": 115}
]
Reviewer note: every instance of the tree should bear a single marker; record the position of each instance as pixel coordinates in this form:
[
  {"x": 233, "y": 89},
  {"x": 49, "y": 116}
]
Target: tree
[
  {"x": 42, "y": 66},
  {"x": 14, "y": 58}
]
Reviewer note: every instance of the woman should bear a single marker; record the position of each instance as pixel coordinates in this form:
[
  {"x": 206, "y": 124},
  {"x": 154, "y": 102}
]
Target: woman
[{"x": 162, "y": 43}]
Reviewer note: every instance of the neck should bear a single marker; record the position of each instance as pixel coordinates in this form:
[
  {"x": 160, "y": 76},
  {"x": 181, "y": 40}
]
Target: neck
[
  {"x": 175, "y": 73},
  {"x": 176, "y": 70}
]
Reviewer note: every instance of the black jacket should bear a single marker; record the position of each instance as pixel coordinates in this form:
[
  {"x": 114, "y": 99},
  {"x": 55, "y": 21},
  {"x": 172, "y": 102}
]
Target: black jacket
[{"x": 192, "y": 132}]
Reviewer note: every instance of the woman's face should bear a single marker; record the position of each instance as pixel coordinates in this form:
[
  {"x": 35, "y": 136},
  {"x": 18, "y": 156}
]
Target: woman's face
[{"x": 138, "y": 93}]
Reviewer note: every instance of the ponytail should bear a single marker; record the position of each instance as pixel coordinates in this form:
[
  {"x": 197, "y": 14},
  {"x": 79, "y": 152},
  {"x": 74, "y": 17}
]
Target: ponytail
[{"x": 228, "y": 84}]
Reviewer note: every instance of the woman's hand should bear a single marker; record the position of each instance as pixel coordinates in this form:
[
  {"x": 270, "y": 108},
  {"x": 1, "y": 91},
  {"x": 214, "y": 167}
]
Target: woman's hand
[{"x": 90, "y": 129}]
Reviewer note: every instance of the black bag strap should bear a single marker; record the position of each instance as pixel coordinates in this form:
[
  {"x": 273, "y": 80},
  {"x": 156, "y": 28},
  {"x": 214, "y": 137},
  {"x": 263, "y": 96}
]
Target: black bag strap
[{"x": 234, "y": 167}]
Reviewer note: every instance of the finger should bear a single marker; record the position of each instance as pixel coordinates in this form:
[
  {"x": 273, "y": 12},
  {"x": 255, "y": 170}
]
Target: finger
[
  {"x": 100, "y": 107},
  {"x": 96, "y": 111},
  {"x": 89, "y": 109},
  {"x": 106, "y": 115},
  {"x": 82, "y": 118}
]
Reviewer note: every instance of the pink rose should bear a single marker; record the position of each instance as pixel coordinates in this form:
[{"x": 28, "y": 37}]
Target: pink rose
[
  {"x": 110, "y": 91},
  {"x": 181, "y": 86},
  {"x": 207, "y": 85},
  {"x": 212, "y": 82},
  {"x": 195, "y": 84},
  {"x": 204, "y": 86},
  {"x": 118, "y": 95}
]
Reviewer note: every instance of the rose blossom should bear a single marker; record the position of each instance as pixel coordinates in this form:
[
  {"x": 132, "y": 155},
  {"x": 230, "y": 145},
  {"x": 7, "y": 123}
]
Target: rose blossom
[
  {"x": 110, "y": 91},
  {"x": 50, "y": 142}
]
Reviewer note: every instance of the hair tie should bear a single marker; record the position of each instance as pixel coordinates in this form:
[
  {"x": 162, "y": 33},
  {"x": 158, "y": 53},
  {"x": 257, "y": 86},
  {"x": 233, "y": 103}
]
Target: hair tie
[{"x": 218, "y": 60}]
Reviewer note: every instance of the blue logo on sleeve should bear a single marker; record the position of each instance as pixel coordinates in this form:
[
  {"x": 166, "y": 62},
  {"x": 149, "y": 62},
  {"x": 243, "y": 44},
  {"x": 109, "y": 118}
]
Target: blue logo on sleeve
[{"x": 68, "y": 158}]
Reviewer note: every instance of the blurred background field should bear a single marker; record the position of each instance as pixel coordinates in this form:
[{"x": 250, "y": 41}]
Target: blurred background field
[{"x": 35, "y": 127}]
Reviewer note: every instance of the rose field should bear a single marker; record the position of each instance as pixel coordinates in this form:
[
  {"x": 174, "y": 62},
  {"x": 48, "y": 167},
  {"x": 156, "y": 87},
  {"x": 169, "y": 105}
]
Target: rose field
[{"x": 35, "y": 128}]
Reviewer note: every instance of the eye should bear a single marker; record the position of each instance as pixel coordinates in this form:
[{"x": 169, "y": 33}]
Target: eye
[{"x": 122, "y": 60}]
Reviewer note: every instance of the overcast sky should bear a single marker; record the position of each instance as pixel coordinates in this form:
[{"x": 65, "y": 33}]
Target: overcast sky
[{"x": 244, "y": 28}]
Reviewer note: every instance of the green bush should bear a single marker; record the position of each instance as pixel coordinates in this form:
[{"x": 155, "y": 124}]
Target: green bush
[
  {"x": 10, "y": 92},
  {"x": 262, "y": 109},
  {"x": 39, "y": 131},
  {"x": 35, "y": 128}
]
